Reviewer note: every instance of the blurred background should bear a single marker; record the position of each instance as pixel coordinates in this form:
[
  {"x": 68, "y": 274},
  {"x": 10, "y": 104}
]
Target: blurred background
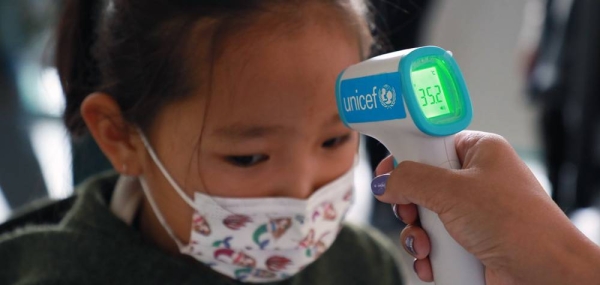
[
  {"x": 35, "y": 155},
  {"x": 531, "y": 68}
]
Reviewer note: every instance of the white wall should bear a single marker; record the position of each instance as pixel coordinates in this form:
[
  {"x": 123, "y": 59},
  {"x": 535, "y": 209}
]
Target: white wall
[{"x": 483, "y": 36}]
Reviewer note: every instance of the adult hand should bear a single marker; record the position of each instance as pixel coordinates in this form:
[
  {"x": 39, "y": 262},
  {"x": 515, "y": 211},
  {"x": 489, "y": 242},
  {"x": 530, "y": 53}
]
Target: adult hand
[{"x": 495, "y": 208}]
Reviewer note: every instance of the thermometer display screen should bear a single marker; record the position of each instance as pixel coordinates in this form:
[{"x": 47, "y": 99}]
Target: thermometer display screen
[
  {"x": 434, "y": 90},
  {"x": 429, "y": 92}
]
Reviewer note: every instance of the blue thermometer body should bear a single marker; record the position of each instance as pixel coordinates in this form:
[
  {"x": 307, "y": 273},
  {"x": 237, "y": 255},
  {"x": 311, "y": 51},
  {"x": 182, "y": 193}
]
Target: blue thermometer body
[{"x": 413, "y": 101}]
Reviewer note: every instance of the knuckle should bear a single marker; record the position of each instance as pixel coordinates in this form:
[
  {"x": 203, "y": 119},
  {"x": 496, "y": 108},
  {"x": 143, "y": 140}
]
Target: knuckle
[
  {"x": 481, "y": 140},
  {"x": 493, "y": 141}
]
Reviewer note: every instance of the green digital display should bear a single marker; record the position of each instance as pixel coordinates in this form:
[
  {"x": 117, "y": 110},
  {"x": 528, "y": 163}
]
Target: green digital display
[{"x": 429, "y": 92}]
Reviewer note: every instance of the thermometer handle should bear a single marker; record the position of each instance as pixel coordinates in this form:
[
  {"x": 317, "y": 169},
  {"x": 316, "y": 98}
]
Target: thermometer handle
[{"x": 450, "y": 262}]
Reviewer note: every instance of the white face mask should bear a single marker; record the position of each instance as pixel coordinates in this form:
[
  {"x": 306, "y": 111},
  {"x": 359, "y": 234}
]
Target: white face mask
[{"x": 260, "y": 239}]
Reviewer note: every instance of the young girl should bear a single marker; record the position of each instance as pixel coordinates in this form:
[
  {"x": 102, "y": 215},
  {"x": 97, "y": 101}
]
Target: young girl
[{"x": 232, "y": 164}]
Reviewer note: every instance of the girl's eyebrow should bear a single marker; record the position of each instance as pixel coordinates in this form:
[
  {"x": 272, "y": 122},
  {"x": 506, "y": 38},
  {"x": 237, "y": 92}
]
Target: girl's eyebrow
[
  {"x": 244, "y": 131},
  {"x": 334, "y": 120}
]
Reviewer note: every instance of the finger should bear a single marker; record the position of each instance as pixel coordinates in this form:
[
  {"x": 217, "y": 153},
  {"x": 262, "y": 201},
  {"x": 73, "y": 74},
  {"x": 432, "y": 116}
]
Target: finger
[
  {"x": 385, "y": 166},
  {"x": 411, "y": 182},
  {"x": 468, "y": 143},
  {"x": 423, "y": 269},
  {"x": 465, "y": 141},
  {"x": 415, "y": 241},
  {"x": 408, "y": 214}
]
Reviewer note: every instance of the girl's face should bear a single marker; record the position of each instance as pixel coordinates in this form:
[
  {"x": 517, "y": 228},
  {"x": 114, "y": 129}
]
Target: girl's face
[{"x": 270, "y": 127}]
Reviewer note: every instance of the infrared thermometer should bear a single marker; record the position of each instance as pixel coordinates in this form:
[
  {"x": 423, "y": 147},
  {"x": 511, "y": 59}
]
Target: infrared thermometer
[{"x": 413, "y": 101}]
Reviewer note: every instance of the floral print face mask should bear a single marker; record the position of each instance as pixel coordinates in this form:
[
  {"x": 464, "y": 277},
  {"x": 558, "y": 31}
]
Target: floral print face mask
[{"x": 260, "y": 239}]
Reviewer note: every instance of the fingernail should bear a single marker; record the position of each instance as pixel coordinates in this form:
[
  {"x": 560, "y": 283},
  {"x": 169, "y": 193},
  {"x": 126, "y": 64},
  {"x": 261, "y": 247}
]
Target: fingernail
[
  {"x": 395, "y": 210},
  {"x": 378, "y": 184},
  {"x": 409, "y": 244}
]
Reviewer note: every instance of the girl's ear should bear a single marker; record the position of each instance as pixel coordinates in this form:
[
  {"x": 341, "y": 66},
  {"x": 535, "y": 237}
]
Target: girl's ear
[{"x": 114, "y": 135}]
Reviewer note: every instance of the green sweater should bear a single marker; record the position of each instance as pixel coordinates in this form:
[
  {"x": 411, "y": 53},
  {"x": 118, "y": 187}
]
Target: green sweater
[{"x": 80, "y": 241}]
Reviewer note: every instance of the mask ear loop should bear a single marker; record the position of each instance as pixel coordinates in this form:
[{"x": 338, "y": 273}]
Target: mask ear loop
[
  {"x": 160, "y": 216},
  {"x": 171, "y": 181},
  {"x": 164, "y": 171}
]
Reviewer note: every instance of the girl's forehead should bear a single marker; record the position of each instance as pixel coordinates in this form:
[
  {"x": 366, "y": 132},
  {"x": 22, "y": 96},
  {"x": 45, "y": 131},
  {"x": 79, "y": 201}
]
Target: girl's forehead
[{"x": 288, "y": 79}]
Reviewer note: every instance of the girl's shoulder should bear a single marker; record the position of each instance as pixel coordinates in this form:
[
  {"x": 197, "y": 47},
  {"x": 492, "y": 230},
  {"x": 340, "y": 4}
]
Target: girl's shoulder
[
  {"x": 51, "y": 242},
  {"x": 367, "y": 236},
  {"x": 360, "y": 255},
  {"x": 50, "y": 215},
  {"x": 84, "y": 243}
]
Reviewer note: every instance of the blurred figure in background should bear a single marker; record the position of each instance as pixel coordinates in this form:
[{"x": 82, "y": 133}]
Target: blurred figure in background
[
  {"x": 563, "y": 81},
  {"x": 32, "y": 134},
  {"x": 20, "y": 176}
]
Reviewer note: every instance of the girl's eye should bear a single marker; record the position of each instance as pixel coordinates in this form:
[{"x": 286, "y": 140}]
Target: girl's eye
[
  {"x": 334, "y": 142},
  {"x": 247, "y": 160}
]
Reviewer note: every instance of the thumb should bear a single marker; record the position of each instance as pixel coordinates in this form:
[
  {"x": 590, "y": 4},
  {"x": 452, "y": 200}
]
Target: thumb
[
  {"x": 431, "y": 187},
  {"x": 475, "y": 148},
  {"x": 438, "y": 189}
]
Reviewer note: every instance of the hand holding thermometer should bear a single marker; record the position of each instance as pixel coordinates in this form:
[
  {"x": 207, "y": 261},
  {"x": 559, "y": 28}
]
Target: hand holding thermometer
[{"x": 373, "y": 98}]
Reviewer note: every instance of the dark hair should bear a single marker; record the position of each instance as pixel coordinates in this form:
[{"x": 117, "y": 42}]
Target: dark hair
[{"x": 135, "y": 50}]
